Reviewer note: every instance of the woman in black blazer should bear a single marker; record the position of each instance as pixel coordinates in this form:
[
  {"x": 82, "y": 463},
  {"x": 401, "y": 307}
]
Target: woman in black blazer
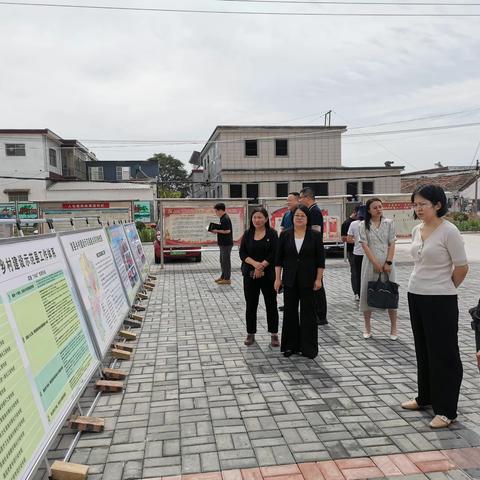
[
  {"x": 257, "y": 251},
  {"x": 301, "y": 257}
]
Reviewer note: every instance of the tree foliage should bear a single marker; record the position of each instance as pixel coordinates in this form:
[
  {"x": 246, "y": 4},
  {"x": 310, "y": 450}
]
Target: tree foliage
[{"x": 172, "y": 176}]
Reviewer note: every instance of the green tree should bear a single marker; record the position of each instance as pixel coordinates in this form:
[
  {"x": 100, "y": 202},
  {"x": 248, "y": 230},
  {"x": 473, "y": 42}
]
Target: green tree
[{"x": 172, "y": 176}]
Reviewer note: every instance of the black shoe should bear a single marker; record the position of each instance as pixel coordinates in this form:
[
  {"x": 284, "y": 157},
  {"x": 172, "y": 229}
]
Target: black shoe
[
  {"x": 311, "y": 356},
  {"x": 288, "y": 353},
  {"x": 322, "y": 321},
  {"x": 281, "y": 308}
]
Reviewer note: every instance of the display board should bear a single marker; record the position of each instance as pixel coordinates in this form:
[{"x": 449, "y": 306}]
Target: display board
[
  {"x": 46, "y": 357},
  {"x": 93, "y": 267},
  {"x": 124, "y": 261},
  {"x": 137, "y": 249},
  {"x": 332, "y": 211},
  {"x": 398, "y": 207},
  {"x": 142, "y": 211},
  {"x": 187, "y": 225}
]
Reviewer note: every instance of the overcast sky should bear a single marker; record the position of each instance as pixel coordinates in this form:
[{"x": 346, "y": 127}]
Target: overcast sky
[{"x": 112, "y": 75}]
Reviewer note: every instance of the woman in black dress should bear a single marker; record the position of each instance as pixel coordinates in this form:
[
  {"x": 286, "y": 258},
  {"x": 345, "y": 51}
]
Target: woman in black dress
[
  {"x": 301, "y": 258},
  {"x": 257, "y": 252}
]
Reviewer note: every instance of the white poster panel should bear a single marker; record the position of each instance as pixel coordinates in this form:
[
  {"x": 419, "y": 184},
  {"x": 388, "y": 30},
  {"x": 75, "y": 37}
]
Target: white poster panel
[
  {"x": 187, "y": 225},
  {"x": 124, "y": 260},
  {"x": 46, "y": 357},
  {"x": 100, "y": 287},
  {"x": 137, "y": 249}
]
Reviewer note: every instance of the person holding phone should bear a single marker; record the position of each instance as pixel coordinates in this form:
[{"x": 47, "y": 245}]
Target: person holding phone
[
  {"x": 299, "y": 266},
  {"x": 257, "y": 252}
]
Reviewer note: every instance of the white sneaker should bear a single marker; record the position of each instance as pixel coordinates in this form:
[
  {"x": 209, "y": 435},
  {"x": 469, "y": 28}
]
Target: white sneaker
[
  {"x": 393, "y": 337},
  {"x": 357, "y": 297},
  {"x": 367, "y": 335}
]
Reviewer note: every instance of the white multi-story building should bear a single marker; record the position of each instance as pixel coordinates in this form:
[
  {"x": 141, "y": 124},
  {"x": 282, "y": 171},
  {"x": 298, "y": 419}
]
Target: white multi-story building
[
  {"x": 31, "y": 160},
  {"x": 270, "y": 161}
]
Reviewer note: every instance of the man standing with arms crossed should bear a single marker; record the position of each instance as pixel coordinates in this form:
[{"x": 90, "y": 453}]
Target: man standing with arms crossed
[
  {"x": 225, "y": 243},
  {"x": 307, "y": 198}
]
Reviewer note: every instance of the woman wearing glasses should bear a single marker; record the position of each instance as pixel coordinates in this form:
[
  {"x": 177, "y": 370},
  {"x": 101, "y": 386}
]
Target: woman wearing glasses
[
  {"x": 301, "y": 259},
  {"x": 440, "y": 266}
]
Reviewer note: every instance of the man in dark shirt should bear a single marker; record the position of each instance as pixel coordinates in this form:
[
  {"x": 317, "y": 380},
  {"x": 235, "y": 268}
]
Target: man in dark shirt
[
  {"x": 292, "y": 204},
  {"x": 344, "y": 232},
  {"x": 307, "y": 198},
  {"x": 225, "y": 243}
]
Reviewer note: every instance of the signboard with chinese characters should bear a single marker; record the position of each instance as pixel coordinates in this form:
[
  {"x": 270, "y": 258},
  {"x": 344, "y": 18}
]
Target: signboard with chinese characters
[
  {"x": 137, "y": 249},
  {"x": 46, "y": 355},
  {"x": 84, "y": 205},
  {"x": 142, "y": 211},
  {"x": 98, "y": 283},
  {"x": 124, "y": 260},
  {"x": 27, "y": 210}
]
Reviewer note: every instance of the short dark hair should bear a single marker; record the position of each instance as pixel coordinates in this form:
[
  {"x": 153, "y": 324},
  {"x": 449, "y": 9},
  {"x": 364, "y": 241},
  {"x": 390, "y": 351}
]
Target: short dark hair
[
  {"x": 305, "y": 210},
  {"x": 295, "y": 194},
  {"x": 308, "y": 192},
  {"x": 433, "y": 193},
  {"x": 220, "y": 206}
]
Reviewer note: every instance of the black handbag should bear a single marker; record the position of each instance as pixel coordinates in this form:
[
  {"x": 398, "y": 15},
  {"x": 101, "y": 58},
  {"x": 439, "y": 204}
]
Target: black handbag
[{"x": 381, "y": 294}]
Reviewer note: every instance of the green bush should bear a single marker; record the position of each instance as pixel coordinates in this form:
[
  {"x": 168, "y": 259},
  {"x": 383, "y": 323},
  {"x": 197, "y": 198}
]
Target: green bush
[
  {"x": 147, "y": 235},
  {"x": 460, "y": 217},
  {"x": 140, "y": 226},
  {"x": 467, "y": 225}
]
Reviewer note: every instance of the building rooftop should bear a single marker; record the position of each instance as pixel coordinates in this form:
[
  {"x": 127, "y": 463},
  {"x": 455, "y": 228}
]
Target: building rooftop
[{"x": 452, "y": 182}]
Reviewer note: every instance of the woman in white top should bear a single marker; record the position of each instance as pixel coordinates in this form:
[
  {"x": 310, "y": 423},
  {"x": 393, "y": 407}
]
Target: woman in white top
[
  {"x": 440, "y": 266},
  {"x": 377, "y": 236},
  {"x": 353, "y": 237}
]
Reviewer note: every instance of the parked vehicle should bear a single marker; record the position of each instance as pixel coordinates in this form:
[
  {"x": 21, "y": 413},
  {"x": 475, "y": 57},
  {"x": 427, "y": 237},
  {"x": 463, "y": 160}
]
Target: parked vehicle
[{"x": 171, "y": 253}]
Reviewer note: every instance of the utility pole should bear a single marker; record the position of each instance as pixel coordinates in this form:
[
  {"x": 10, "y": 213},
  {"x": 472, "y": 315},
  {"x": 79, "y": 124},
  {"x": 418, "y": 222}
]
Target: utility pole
[
  {"x": 328, "y": 116},
  {"x": 475, "y": 205}
]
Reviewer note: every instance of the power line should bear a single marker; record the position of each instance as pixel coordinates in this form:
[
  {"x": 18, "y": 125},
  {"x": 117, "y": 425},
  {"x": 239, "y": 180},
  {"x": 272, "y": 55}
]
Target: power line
[
  {"x": 341, "y": 2},
  {"x": 233, "y": 12}
]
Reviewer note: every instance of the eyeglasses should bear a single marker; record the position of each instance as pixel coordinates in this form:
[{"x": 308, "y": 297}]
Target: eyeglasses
[
  {"x": 416, "y": 206},
  {"x": 300, "y": 216}
]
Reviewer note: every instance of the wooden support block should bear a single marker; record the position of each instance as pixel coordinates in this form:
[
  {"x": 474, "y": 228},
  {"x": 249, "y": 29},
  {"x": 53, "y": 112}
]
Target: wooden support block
[
  {"x": 121, "y": 354},
  {"x": 148, "y": 288},
  {"x": 131, "y": 323},
  {"x": 86, "y": 424},
  {"x": 109, "y": 385},
  {"x": 122, "y": 346},
  {"x": 68, "y": 471},
  {"x": 149, "y": 284},
  {"x": 137, "y": 318},
  {"x": 142, "y": 296},
  {"x": 139, "y": 308},
  {"x": 127, "y": 335},
  {"x": 151, "y": 277},
  {"x": 114, "y": 374}
]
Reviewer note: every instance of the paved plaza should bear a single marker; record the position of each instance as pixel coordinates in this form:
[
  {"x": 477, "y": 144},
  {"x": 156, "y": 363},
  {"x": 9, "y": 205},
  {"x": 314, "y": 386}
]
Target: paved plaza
[{"x": 197, "y": 400}]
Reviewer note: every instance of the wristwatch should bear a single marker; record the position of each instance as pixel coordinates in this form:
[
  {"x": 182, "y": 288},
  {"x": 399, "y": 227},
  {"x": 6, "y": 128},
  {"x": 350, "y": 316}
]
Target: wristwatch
[{"x": 388, "y": 262}]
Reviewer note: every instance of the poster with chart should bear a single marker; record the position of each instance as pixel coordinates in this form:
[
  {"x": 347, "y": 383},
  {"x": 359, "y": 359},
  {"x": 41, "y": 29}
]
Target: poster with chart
[
  {"x": 137, "y": 249},
  {"x": 96, "y": 276},
  {"x": 124, "y": 260},
  {"x": 46, "y": 357}
]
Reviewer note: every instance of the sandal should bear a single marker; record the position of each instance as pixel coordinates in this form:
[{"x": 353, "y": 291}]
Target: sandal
[
  {"x": 250, "y": 339},
  {"x": 441, "y": 421},
  {"x": 274, "y": 340}
]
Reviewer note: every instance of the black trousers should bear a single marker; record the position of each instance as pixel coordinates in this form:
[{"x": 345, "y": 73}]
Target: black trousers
[
  {"x": 357, "y": 260},
  {"x": 299, "y": 333},
  {"x": 352, "y": 270},
  {"x": 225, "y": 262},
  {"x": 251, "y": 289},
  {"x": 320, "y": 303},
  {"x": 434, "y": 320}
]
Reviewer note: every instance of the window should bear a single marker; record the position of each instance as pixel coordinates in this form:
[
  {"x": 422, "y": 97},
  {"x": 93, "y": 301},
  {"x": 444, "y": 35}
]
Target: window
[
  {"x": 219, "y": 191},
  {"x": 352, "y": 189},
  {"x": 252, "y": 192},
  {"x": 15, "y": 149},
  {"x": 19, "y": 196},
  {"x": 320, "y": 188},
  {"x": 281, "y": 147},
  {"x": 123, "y": 173},
  {"x": 367, "y": 188},
  {"x": 52, "y": 154},
  {"x": 96, "y": 173},
  {"x": 251, "y": 148},
  {"x": 282, "y": 189},
  {"x": 235, "y": 191}
]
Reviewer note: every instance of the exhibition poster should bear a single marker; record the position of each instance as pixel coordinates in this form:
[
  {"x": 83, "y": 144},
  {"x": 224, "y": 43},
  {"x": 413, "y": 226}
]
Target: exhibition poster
[
  {"x": 93, "y": 268},
  {"x": 124, "y": 260},
  {"x": 46, "y": 357},
  {"x": 137, "y": 249}
]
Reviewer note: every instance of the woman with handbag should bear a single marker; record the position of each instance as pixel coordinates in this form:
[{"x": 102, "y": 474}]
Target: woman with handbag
[
  {"x": 257, "y": 252},
  {"x": 377, "y": 236},
  {"x": 440, "y": 266},
  {"x": 301, "y": 259}
]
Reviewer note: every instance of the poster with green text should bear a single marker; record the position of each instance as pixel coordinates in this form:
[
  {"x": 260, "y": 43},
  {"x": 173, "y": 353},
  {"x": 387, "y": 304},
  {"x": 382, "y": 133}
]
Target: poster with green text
[{"x": 46, "y": 356}]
